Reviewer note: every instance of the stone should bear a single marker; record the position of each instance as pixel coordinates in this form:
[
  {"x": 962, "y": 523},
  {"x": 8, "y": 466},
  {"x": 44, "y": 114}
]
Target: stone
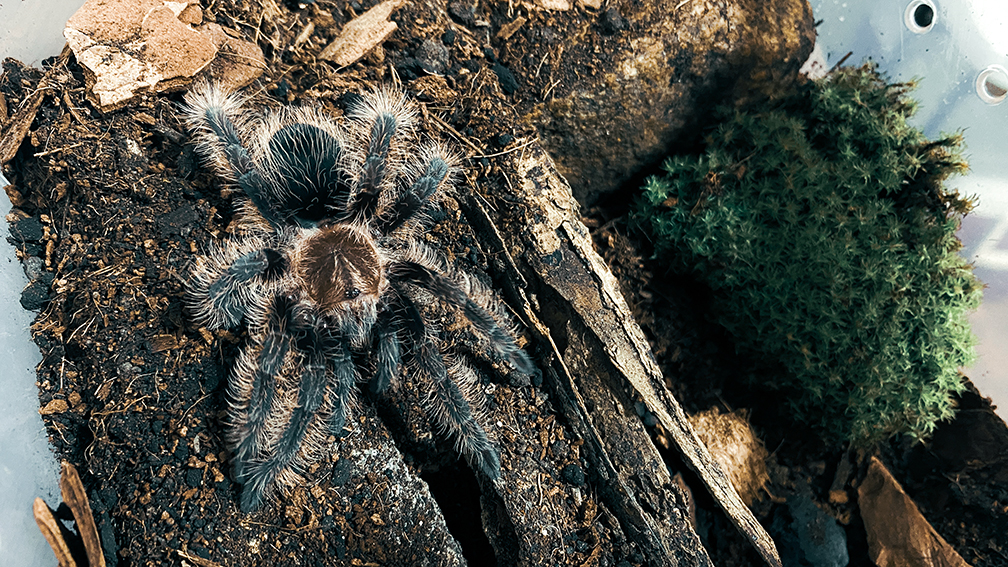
[
  {"x": 807, "y": 535},
  {"x": 651, "y": 77},
  {"x": 433, "y": 57},
  {"x": 898, "y": 534}
]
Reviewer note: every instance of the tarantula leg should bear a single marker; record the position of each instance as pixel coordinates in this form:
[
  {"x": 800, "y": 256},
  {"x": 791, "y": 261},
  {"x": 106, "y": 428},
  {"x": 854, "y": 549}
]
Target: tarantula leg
[
  {"x": 226, "y": 292},
  {"x": 255, "y": 386},
  {"x": 453, "y": 413},
  {"x": 388, "y": 352},
  {"x": 414, "y": 198},
  {"x": 209, "y": 110},
  {"x": 261, "y": 477},
  {"x": 375, "y": 165},
  {"x": 443, "y": 287}
]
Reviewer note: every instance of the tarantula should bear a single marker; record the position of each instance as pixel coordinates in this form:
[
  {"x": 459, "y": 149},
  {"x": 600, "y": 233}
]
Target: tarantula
[{"x": 325, "y": 270}]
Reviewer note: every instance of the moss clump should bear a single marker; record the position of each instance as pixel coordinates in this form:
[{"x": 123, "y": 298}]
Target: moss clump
[{"x": 823, "y": 227}]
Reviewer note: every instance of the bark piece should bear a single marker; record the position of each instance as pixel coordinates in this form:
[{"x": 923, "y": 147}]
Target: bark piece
[
  {"x": 75, "y": 497},
  {"x": 54, "y": 533},
  {"x": 898, "y": 534},
  {"x": 82, "y": 549},
  {"x": 15, "y": 129},
  {"x": 558, "y": 248},
  {"x": 362, "y": 34},
  {"x": 127, "y": 47}
]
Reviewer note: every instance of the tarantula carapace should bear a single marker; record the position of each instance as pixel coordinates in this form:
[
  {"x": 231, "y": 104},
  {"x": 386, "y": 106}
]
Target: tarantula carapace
[{"x": 326, "y": 271}]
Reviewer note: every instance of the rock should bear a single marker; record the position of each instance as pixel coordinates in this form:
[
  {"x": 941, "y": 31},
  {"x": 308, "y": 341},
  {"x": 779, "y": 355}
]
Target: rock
[
  {"x": 646, "y": 87},
  {"x": 733, "y": 444},
  {"x": 127, "y": 47},
  {"x": 976, "y": 438},
  {"x": 807, "y": 535},
  {"x": 238, "y": 62},
  {"x": 34, "y": 267},
  {"x": 898, "y": 534},
  {"x": 507, "y": 80},
  {"x": 35, "y": 295},
  {"x": 25, "y": 228},
  {"x": 432, "y": 57},
  {"x": 612, "y": 22}
]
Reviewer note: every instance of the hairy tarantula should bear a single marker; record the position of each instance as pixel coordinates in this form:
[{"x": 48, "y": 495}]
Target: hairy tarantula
[{"x": 326, "y": 272}]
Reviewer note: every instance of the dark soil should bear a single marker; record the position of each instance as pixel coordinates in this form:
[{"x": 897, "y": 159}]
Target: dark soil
[{"x": 116, "y": 206}]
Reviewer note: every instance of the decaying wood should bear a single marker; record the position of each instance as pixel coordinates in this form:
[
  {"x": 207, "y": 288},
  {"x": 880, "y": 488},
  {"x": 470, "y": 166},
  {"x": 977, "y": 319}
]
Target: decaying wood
[
  {"x": 75, "y": 498},
  {"x": 15, "y": 130},
  {"x": 72, "y": 550},
  {"x": 552, "y": 243},
  {"x": 54, "y": 533}
]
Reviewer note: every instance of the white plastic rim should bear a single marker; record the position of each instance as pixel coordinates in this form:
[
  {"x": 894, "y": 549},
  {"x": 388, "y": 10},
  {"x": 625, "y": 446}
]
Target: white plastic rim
[
  {"x": 992, "y": 84},
  {"x": 920, "y": 16}
]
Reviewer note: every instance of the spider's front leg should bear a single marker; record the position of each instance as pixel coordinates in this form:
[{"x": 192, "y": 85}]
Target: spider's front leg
[
  {"x": 412, "y": 200},
  {"x": 222, "y": 287},
  {"x": 252, "y": 388}
]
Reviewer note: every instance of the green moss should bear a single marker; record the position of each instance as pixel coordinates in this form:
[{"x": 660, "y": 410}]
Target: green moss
[{"x": 824, "y": 228}]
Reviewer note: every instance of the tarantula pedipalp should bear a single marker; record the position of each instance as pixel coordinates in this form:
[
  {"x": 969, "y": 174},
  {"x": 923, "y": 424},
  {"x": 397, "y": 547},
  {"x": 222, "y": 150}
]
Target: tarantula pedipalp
[{"x": 325, "y": 270}]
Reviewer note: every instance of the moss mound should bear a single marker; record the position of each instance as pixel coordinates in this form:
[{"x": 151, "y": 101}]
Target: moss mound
[{"x": 824, "y": 229}]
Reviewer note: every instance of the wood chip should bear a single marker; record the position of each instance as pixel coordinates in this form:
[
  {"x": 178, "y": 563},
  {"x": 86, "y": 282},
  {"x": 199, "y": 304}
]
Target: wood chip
[
  {"x": 76, "y": 498},
  {"x": 54, "y": 533},
  {"x": 54, "y": 407},
  {"x": 362, "y": 34},
  {"x": 508, "y": 29},
  {"x": 61, "y": 539},
  {"x": 161, "y": 343},
  {"x": 16, "y": 128},
  {"x": 197, "y": 560}
]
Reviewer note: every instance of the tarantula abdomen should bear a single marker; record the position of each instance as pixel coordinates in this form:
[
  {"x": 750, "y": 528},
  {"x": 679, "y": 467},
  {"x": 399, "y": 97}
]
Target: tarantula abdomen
[{"x": 326, "y": 271}]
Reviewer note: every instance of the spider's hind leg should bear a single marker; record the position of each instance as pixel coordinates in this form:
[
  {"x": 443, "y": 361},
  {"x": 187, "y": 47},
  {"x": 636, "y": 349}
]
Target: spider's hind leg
[{"x": 448, "y": 401}]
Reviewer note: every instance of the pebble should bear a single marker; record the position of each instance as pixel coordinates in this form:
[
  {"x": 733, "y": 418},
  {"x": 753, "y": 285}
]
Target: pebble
[
  {"x": 612, "y": 21},
  {"x": 34, "y": 267},
  {"x": 432, "y": 56},
  {"x": 35, "y": 295},
  {"x": 507, "y": 80},
  {"x": 573, "y": 474}
]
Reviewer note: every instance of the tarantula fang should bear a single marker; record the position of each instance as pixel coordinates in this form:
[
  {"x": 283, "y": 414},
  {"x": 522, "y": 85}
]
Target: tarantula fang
[{"x": 326, "y": 271}]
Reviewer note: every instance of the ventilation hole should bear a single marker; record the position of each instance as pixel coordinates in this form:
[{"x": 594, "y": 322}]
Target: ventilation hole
[
  {"x": 920, "y": 16},
  {"x": 923, "y": 15},
  {"x": 992, "y": 84}
]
